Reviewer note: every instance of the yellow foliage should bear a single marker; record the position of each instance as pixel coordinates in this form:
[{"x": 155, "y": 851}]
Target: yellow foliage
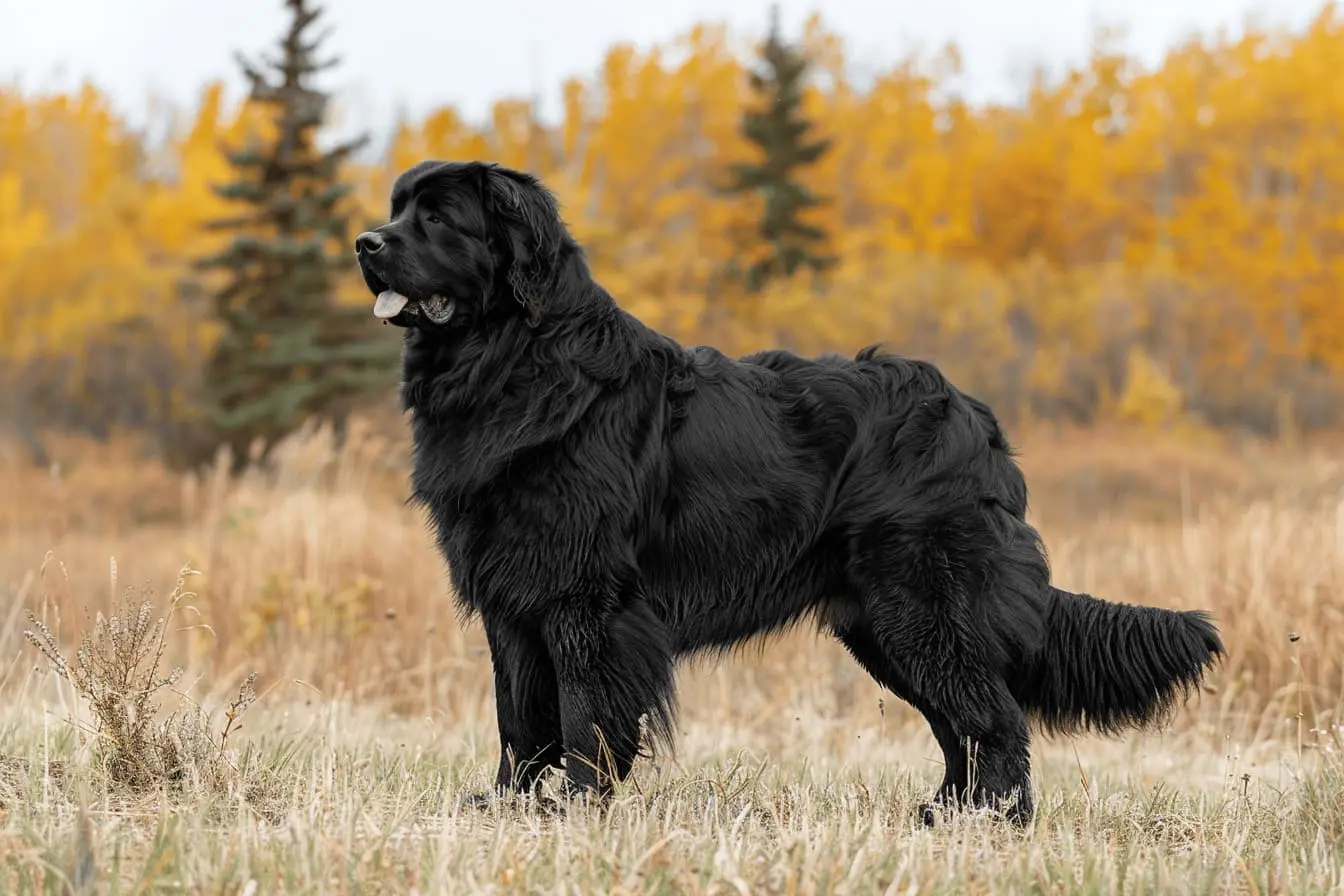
[
  {"x": 1184, "y": 217},
  {"x": 1150, "y": 397}
]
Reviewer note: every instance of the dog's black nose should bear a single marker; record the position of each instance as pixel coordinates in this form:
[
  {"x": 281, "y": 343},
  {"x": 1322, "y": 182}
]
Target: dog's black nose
[{"x": 369, "y": 243}]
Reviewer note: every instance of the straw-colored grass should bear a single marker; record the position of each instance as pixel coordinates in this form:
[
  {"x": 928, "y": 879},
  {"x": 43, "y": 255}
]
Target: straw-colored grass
[{"x": 793, "y": 773}]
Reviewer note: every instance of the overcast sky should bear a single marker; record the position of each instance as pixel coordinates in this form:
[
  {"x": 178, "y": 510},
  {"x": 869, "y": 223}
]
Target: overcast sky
[{"x": 417, "y": 54}]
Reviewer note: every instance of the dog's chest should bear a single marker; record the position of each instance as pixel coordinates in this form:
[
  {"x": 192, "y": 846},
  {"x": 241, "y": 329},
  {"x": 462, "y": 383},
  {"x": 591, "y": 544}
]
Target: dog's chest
[{"x": 500, "y": 534}]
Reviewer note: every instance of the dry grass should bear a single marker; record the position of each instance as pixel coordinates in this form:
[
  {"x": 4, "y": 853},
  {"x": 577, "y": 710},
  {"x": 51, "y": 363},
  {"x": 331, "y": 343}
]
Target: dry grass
[{"x": 793, "y": 774}]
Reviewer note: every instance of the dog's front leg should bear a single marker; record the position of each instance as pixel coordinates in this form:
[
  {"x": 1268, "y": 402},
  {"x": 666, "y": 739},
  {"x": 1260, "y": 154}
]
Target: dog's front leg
[
  {"x": 613, "y": 662},
  {"x": 527, "y": 708}
]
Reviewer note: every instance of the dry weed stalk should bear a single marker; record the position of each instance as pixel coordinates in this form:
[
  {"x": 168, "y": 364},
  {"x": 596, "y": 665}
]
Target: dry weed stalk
[{"x": 116, "y": 668}]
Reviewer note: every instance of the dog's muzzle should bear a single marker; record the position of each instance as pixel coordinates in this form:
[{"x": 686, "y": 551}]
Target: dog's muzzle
[{"x": 437, "y": 309}]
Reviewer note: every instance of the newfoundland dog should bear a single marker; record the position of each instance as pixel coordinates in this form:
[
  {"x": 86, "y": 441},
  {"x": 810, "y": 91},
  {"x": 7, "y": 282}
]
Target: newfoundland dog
[{"x": 607, "y": 501}]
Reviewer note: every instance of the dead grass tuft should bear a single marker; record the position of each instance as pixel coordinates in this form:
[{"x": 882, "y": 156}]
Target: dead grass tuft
[{"x": 117, "y": 669}]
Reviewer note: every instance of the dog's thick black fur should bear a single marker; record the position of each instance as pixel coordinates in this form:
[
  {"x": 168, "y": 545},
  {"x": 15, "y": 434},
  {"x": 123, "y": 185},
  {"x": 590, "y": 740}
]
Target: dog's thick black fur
[{"x": 608, "y": 501}]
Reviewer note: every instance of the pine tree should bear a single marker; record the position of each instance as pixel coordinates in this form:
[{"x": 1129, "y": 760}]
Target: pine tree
[
  {"x": 777, "y": 126},
  {"x": 288, "y": 350}
]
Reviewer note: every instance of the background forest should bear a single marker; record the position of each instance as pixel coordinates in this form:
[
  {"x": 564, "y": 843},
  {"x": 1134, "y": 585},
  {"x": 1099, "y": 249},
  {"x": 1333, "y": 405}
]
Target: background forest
[{"x": 1125, "y": 243}]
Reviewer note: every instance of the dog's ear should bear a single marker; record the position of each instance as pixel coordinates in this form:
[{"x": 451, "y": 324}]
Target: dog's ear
[{"x": 524, "y": 220}]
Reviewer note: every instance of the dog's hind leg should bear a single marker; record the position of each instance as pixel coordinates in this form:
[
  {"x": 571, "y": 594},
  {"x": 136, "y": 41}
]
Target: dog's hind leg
[
  {"x": 981, "y": 728},
  {"x": 926, "y": 583},
  {"x": 858, "y": 639},
  {"x": 614, "y": 669}
]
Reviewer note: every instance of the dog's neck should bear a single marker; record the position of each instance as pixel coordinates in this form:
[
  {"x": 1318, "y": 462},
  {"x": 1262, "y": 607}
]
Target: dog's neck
[{"x": 482, "y": 396}]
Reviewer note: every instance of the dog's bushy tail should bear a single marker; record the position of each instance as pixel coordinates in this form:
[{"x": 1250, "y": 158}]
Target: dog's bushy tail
[{"x": 1105, "y": 667}]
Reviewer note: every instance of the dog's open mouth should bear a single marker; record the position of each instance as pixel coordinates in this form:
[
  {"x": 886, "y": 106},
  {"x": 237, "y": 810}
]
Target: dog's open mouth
[{"x": 390, "y": 304}]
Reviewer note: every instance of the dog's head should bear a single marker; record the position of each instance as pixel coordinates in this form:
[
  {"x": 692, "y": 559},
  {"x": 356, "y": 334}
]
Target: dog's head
[{"x": 466, "y": 241}]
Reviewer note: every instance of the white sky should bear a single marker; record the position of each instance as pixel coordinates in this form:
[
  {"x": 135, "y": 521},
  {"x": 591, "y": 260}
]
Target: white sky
[{"x": 417, "y": 54}]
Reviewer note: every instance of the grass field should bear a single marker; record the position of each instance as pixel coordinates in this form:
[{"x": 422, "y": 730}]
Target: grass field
[{"x": 372, "y": 710}]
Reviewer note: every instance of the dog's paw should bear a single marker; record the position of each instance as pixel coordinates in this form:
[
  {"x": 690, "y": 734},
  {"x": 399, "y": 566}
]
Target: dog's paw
[
  {"x": 938, "y": 812},
  {"x": 480, "y": 799},
  {"x": 930, "y": 815},
  {"x": 510, "y": 799}
]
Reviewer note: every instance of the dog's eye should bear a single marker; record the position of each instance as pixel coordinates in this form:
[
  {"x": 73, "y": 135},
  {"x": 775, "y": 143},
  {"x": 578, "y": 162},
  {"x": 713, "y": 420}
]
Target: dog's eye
[{"x": 433, "y": 219}]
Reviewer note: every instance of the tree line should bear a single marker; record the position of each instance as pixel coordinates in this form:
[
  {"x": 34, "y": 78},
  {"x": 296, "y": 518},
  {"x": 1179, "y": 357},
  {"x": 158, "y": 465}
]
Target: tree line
[{"x": 1131, "y": 242}]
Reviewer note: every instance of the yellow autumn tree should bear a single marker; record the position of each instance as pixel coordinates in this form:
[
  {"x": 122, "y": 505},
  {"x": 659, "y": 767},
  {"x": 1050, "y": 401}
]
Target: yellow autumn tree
[{"x": 1125, "y": 240}]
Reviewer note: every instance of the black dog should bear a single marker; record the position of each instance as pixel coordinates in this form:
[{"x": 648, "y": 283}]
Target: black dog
[{"x": 608, "y": 501}]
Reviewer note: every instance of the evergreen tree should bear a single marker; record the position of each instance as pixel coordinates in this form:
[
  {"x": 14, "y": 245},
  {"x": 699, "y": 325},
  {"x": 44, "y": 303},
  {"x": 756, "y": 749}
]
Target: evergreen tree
[
  {"x": 778, "y": 127},
  {"x": 288, "y": 350}
]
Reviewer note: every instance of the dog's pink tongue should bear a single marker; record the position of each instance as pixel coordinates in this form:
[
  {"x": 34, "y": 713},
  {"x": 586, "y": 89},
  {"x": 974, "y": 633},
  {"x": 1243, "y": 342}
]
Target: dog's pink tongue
[{"x": 389, "y": 304}]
